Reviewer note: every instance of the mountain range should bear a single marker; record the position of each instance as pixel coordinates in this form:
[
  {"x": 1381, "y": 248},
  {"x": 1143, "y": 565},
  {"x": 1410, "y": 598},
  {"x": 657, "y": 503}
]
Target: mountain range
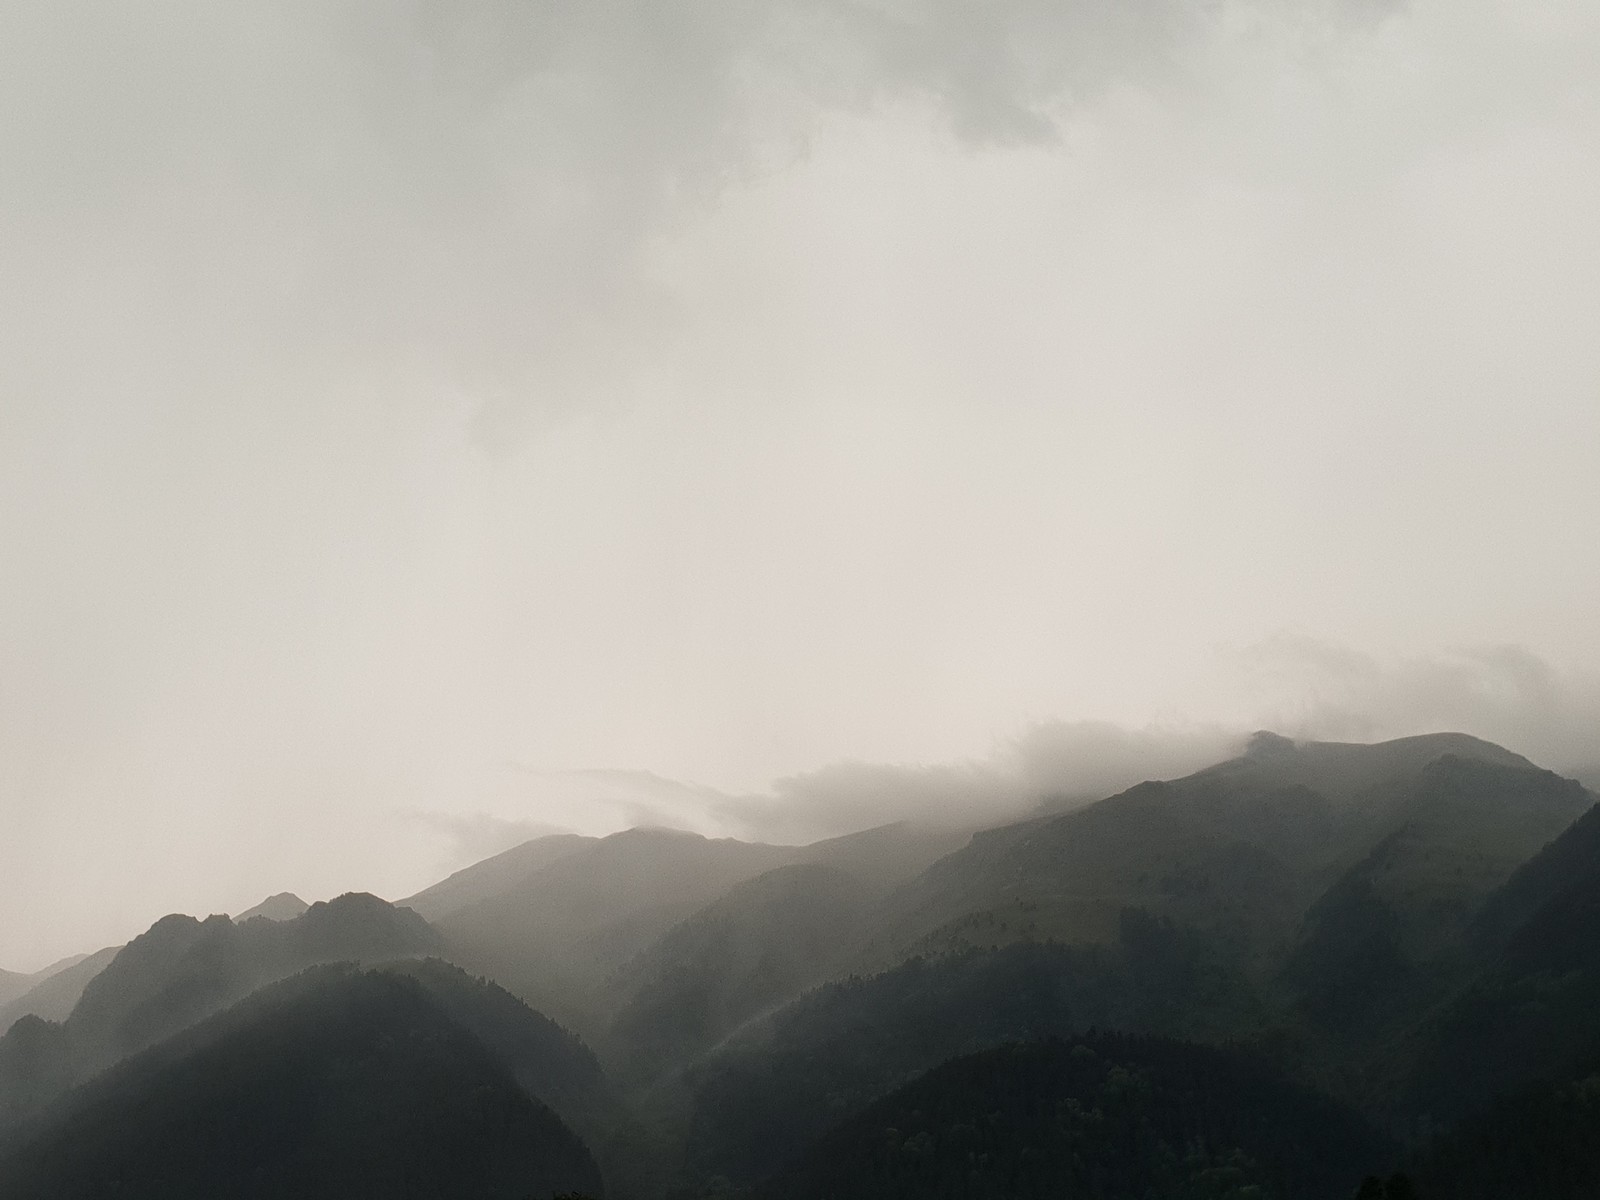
[{"x": 1307, "y": 964}]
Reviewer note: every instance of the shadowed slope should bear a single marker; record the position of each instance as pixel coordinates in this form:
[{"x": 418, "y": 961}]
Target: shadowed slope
[
  {"x": 1566, "y": 862},
  {"x": 333, "y": 1084},
  {"x": 784, "y": 1080},
  {"x": 183, "y": 969},
  {"x": 1530, "y": 1016},
  {"x": 1393, "y": 935},
  {"x": 1541, "y": 1143},
  {"x": 1102, "y": 1117}
]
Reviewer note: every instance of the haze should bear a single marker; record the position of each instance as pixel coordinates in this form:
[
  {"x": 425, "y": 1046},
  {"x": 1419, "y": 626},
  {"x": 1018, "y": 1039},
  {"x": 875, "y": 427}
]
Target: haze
[{"x": 422, "y": 425}]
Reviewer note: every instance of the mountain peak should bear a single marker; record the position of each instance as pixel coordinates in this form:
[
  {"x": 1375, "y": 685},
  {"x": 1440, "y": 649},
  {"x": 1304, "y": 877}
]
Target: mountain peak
[
  {"x": 1344, "y": 770},
  {"x": 1264, "y": 743},
  {"x": 656, "y": 833},
  {"x": 285, "y": 906}
]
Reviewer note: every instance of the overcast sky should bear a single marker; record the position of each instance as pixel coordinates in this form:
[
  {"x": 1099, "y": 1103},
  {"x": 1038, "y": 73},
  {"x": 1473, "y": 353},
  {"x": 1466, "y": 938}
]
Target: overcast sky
[{"x": 423, "y": 423}]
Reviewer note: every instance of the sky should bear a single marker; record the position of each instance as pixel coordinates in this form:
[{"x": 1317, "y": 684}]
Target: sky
[{"x": 425, "y": 424}]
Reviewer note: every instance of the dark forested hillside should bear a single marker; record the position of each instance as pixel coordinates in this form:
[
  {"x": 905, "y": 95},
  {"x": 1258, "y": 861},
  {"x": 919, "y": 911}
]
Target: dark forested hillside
[
  {"x": 1540, "y": 1143},
  {"x": 182, "y": 970},
  {"x": 1530, "y": 1014},
  {"x": 336, "y": 1084},
  {"x": 548, "y": 1062},
  {"x": 765, "y": 1095},
  {"x": 1409, "y": 927},
  {"x": 1566, "y": 863},
  {"x": 1103, "y": 1117},
  {"x": 1245, "y": 849},
  {"x": 1395, "y": 933}
]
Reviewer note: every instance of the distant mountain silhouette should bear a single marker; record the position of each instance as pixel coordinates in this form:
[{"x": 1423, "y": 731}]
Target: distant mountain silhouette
[
  {"x": 285, "y": 906},
  {"x": 336, "y": 1084},
  {"x": 55, "y": 968},
  {"x": 27, "y": 982},
  {"x": 57, "y": 988},
  {"x": 13, "y": 984}
]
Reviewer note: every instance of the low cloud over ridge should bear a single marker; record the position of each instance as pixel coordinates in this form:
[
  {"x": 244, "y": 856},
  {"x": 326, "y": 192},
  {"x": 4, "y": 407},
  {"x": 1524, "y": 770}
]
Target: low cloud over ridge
[{"x": 397, "y": 391}]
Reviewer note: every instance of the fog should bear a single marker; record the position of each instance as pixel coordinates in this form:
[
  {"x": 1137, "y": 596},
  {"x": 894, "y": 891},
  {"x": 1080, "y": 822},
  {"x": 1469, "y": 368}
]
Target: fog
[{"x": 427, "y": 425}]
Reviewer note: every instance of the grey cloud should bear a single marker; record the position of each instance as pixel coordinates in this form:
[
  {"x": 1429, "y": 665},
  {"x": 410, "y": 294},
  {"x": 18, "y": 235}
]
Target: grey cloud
[
  {"x": 842, "y": 797},
  {"x": 861, "y": 379},
  {"x": 462, "y": 190},
  {"x": 1312, "y": 687},
  {"x": 603, "y": 800},
  {"x": 1092, "y": 759},
  {"x": 1052, "y": 762},
  {"x": 477, "y": 836}
]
